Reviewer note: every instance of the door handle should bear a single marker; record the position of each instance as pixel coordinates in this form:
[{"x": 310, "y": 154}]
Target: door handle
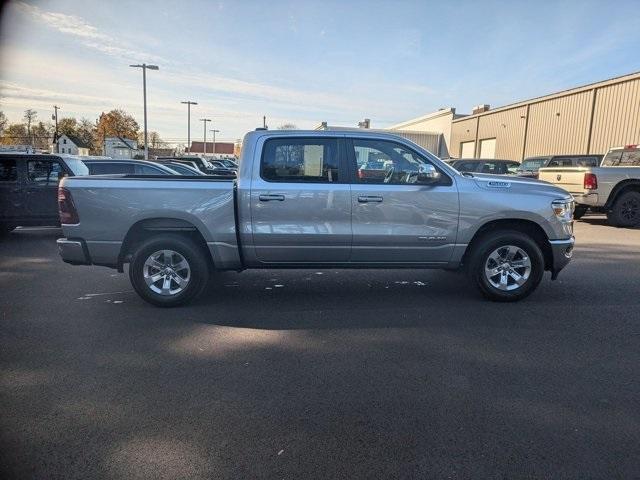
[
  {"x": 269, "y": 198},
  {"x": 369, "y": 199}
]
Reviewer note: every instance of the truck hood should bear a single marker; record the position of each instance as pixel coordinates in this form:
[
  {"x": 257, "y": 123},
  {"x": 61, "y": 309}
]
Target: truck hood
[{"x": 517, "y": 185}]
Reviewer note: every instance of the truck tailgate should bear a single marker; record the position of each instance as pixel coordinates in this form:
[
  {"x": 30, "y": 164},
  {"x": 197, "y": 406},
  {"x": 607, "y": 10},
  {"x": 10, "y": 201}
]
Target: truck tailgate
[{"x": 570, "y": 179}]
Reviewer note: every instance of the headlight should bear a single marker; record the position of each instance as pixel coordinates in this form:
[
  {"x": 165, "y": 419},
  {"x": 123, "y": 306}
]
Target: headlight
[{"x": 563, "y": 209}]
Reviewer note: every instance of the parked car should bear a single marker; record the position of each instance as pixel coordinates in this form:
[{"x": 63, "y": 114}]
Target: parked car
[
  {"x": 612, "y": 188},
  {"x": 298, "y": 202},
  {"x": 202, "y": 164},
  {"x": 491, "y": 166},
  {"x": 228, "y": 163},
  {"x": 530, "y": 166},
  {"x": 29, "y": 188},
  {"x": 129, "y": 167},
  {"x": 221, "y": 169},
  {"x": 182, "y": 168}
]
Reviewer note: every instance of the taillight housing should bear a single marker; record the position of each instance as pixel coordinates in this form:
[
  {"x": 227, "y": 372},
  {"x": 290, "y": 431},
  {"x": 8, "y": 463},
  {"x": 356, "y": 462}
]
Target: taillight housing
[
  {"x": 590, "y": 181},
  {"x": 66, "y": 208}
]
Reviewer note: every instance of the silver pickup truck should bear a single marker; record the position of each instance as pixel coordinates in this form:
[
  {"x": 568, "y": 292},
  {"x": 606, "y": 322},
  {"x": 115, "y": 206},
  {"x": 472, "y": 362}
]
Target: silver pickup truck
[
  {"x": 612, "y": 188},
  {"x": 311, "y": 199}
]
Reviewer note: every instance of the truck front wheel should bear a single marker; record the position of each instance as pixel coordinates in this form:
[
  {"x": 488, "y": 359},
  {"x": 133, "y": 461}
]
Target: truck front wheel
[
  {"x": 168, "y": 270},
  {"x": 506, "y": 266},
  {"x": 625, "y": 211}
]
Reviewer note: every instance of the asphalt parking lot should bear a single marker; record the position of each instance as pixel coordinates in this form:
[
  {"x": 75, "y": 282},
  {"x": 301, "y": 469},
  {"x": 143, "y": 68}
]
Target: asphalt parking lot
[{"x": 327, "y": 374}]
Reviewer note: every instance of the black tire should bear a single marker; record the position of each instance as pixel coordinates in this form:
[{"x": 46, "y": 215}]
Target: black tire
[
  {"x": 197, "y": 269},
  {"x": 625, "y": 211},
  {"x": 579, "y": 212},
  {"x": 493, "y": 242}
]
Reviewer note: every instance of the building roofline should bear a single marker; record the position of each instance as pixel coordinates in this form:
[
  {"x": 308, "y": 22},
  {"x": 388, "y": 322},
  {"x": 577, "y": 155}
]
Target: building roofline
[
  {"x": 428, "y": 116},
  {"x": 562, "y": 93}
]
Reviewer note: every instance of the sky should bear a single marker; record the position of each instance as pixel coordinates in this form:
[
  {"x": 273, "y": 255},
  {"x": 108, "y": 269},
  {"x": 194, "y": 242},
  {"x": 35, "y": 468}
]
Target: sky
[{"x": 302, "y": 62}]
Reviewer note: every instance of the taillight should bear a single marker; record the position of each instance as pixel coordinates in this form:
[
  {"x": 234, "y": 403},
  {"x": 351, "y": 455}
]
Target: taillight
[
  {"x": 66, "y": 207},
  {"x": 590, "y": 181}
]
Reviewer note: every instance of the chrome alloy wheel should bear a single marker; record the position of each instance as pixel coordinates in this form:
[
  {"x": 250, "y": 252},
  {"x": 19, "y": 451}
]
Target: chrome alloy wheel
[
  {"x": 166, "y": 272},
  {"x": 507, "y": 268}
]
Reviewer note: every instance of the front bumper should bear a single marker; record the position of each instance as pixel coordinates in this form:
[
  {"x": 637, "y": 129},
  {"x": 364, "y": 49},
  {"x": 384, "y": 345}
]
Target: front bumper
[
  {"x": 73, "y": 251},
  {"x": 562, "y": 251}
]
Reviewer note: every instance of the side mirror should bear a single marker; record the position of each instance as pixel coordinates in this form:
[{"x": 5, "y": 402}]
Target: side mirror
[{"x": 427, "y": 174}]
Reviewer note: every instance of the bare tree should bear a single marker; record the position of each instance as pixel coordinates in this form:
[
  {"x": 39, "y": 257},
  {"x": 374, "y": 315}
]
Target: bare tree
[
  {"x": 3, "y": 122},
  {"x": 29, "y": 116},
  {"x": 288, "y": 126}
]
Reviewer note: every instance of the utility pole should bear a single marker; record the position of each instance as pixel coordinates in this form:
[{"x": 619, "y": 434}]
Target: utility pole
[
  {"x": 204, "y": 146},
  {"x": 55, "y": 135},
  {"x": 188, "y": 103},
  {"x": 214, "y": 139},
  {"x": 144, "y": 68}
]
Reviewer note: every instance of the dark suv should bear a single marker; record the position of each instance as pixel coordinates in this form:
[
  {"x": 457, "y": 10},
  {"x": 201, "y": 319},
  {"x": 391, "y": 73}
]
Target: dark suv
[
  {"x": 29, "y": 188},
  {"x": 530, "y": 165}
]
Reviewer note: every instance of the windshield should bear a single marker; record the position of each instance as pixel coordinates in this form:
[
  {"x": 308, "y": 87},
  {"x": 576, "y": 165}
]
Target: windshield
[
  {"x": 77, "y": 166},
  {"x": 533, "y": 164}
]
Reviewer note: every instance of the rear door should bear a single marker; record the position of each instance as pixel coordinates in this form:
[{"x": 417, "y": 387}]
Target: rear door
[
  {"x": 41, "y": 189},
  {"x": 11, "y": 195},
  {"x": 395, "y": 220},
  {"x": 301, "y": 201}
]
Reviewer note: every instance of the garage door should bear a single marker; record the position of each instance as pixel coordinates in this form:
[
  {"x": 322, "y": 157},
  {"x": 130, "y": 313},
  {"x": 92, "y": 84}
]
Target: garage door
[
  {"x": 488, "y": 148},
  {"x": 467, "y": 149}
]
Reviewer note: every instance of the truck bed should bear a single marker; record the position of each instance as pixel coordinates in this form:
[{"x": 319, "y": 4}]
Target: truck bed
[{"x": 110, "y": 205}]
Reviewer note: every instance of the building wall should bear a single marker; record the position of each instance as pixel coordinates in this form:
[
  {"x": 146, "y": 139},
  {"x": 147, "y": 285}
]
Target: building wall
[
  {"x": 589, "y": 119},
  {"x": 616, "y": 119},
  {"x": 559, "y": 126},
  {"x": 438, "y": 122}
]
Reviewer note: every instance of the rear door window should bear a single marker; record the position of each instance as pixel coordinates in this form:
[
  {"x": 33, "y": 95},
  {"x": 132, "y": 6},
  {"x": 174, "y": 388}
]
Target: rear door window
[
  {"x": 44, "y": 172},
  {"x": 301, "y": 160},
  {"x": 8, "y": 170}
]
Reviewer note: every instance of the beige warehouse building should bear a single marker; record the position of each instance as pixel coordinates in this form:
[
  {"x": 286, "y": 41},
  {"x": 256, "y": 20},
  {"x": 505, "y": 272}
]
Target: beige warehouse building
[{"x": 582, "y": 120}]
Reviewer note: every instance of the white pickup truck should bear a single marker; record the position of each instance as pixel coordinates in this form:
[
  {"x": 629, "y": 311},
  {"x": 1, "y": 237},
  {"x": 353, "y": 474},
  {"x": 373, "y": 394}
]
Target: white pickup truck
[{"x": 612, "y": 188}]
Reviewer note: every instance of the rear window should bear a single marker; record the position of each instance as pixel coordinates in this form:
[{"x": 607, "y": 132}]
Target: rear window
[
  {"x": 622, "y": 158},
  {"x": 8, "y": 171},
  {"x": 630, "y": 159},
  {"x": 300, "y": 160},
  {"x": 76, "y": 166}
]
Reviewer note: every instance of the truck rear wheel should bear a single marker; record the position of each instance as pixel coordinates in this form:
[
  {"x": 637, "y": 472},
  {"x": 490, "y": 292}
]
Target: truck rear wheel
[
  {"x": 625, "y": 211},
  {"x": 168, "y": 270},
  {"x": 506, "y": 266}
]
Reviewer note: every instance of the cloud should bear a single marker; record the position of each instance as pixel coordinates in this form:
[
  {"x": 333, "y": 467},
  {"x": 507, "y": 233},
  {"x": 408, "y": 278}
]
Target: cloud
[{"x": 89, "y": 35}]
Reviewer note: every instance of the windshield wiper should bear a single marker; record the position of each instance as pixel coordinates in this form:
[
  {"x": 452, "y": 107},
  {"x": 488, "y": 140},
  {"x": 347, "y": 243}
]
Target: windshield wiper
[{"x": 467, "y": 174}]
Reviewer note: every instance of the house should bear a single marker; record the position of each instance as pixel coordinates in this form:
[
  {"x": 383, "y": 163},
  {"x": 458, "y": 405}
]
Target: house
[
  {"x": 121, "y": 148},
  {"x": 72, "y": 145}
]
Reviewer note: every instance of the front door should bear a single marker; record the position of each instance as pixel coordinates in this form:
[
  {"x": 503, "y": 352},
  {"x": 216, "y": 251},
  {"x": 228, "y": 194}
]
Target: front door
[
  {"x": 395, "y": 219},
  {"x": 301, "y": 202}
]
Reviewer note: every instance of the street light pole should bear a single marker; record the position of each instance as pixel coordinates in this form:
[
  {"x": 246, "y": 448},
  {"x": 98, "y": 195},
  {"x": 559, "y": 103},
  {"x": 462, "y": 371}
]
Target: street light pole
[
  {"x": 55, "y": 109},
  {"x": 188, "y": 103},
  {"x": 214, "y": 139},
  {"x": 204, "y": 147},
  {"x": 144, "y": 68}
]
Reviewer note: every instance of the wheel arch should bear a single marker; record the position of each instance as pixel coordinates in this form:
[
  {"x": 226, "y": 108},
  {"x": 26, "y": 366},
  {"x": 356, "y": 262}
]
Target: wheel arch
[
  {"x": 528, "y": 227},
  {"x": 149, "y": 227},
  {"x": 632, "y": 184}
]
